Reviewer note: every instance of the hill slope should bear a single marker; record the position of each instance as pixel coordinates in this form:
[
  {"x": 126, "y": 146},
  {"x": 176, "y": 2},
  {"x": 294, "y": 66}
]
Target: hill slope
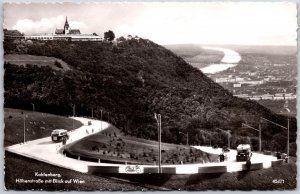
[
  {"x": 131, "y": 81},
  {"x": 38, "y": 125}
]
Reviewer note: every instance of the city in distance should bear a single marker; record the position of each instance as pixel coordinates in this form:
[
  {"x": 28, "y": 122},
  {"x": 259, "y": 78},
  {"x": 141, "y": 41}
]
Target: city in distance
[{"x": 267, "y": 74}]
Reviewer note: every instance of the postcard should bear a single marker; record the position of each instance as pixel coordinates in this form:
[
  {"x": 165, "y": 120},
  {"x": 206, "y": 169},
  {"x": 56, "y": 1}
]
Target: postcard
[{"x": 135, "y": 96}]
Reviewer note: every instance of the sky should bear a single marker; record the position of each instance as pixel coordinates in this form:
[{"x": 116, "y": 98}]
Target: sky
[{"x": 244, "y": 23}]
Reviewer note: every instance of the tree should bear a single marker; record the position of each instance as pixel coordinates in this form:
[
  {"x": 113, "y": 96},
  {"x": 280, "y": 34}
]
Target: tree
[{"x": 109, "y": 35}]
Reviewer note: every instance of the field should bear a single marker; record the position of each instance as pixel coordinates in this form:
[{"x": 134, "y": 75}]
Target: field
[
  {"x": 38, "y": 125},
  {"x": 24, "y": 59},
  {"x": 112, "y": 145}
]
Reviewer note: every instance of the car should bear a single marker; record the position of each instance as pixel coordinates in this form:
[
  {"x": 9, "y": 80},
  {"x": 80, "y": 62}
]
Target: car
[
  {"x": 243, "y": 152},
  {"x": 59, "y": 135},
  {"x": 215, "y": 147}
]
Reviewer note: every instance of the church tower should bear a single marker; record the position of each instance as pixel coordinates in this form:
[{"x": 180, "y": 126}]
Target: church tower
[{"x": 66, "y": 27}]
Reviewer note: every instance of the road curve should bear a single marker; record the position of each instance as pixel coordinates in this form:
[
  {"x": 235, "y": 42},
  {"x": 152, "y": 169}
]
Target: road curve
[{"x": 47, "y": 151}]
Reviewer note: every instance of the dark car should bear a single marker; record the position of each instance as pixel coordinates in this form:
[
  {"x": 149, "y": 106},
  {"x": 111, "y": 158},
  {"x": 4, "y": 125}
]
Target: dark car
[{"x": 58, "y": 135}]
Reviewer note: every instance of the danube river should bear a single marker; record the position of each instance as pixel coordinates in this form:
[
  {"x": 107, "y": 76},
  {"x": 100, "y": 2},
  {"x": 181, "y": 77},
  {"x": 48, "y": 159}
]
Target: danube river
[{"x": 230, "y": 59}]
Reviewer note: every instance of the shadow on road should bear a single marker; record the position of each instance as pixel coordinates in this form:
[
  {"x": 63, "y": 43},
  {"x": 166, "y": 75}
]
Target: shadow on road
[{"x": 46, "y": 142}]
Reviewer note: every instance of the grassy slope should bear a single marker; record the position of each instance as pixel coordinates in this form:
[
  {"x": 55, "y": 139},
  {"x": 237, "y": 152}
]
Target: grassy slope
[
  {"x": 22, "y": 59},
  {"x": 111, "y": 144},
  {"x": 38, "y": 125}
]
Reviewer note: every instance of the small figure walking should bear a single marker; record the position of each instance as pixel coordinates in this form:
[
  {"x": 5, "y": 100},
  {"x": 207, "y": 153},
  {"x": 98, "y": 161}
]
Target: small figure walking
[
  {"x": 222, "y": 157},
  {"x": 248, "y": 162}
]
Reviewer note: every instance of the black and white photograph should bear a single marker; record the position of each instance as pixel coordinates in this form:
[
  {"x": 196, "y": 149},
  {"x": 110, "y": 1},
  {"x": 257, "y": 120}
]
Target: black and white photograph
[{"x": 150, "y": 96}]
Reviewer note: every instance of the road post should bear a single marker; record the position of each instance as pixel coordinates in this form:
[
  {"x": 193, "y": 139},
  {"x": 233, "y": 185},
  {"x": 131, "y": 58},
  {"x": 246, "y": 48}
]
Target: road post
[
  {"x": 73, "y": 115},
  {"x": 159, "y": 145},
  {"x": 259, "y": 127},
  {"x": 24, "y": 127}
]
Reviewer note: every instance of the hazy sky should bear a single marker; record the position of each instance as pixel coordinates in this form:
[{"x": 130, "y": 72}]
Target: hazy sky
[{"x": 165, "y": 23}]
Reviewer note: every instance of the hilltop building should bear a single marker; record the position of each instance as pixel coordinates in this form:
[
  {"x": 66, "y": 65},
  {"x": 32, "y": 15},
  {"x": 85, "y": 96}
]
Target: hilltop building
[
  {"x": 67, "y": 33},
  {"x": 67, "y": 30}
]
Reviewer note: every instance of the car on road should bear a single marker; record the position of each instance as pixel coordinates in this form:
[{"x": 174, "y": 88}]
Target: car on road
[
  {"x": 243, "y": 152},
  {"x": 59, "y": 135}
]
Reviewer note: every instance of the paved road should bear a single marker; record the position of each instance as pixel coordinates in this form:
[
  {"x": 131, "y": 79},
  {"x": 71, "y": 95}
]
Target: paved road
[
  {"x": 47, "y": 151},
  {"x": 256, "y": 157}
]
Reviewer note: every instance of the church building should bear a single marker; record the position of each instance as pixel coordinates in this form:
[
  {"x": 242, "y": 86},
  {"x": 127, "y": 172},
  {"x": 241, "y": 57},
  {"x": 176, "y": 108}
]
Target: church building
[
  {"x": 67, "y": 30},
  {"x": 67, "y": 34}
]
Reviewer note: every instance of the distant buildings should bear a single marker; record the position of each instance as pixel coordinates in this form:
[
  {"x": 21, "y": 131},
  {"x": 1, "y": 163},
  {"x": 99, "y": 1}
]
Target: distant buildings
[
  {"x": 67, "y": 33},
  {"x": 278, "y": 96}
]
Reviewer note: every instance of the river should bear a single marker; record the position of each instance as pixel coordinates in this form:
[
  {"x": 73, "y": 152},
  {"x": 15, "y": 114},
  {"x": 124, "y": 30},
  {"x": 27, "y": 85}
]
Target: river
[{"x": 230, "y": 59}]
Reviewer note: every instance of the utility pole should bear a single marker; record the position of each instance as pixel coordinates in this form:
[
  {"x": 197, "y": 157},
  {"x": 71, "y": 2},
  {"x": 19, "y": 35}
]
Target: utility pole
[
  {"x": 159, "y": 164},
  {"x": 24, "y": 127},
  {"x": 101, "y": 118},
  {"x": 259, "y": 128},
  {"x": 73, "y": 116},
  {"x": 187, "y": 137},
  {"x": 33, "y": 108},
  {"x": 92, "y": 112},
  {"x": 108, "y": 117},
  {"x": 210, "y": 139},
  {"x": 158, "y": 119},
  {"x": 228, "y": 139}
]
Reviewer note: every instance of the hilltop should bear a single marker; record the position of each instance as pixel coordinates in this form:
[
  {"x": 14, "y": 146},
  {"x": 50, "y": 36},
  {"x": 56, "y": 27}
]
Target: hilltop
[{"x": 131, "y": 80}]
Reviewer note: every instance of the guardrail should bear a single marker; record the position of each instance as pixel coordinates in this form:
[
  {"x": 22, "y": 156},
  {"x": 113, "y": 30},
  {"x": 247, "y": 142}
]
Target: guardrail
[{"x": 140, "y": 169}]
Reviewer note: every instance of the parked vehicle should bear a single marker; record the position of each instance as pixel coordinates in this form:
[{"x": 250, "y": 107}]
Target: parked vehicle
[
  {"x": 243, "y": 152},
  {"x": 59, "y": 135}
]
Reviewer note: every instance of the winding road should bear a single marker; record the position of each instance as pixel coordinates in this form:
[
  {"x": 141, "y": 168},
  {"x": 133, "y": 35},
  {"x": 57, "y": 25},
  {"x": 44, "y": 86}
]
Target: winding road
[{"x": 49, "y": 152}]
